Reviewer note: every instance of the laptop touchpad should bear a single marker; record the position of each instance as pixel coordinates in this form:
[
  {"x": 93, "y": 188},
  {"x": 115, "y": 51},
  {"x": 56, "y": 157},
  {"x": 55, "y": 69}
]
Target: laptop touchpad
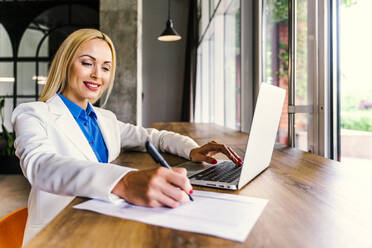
[{"x": 193, "y": 167}]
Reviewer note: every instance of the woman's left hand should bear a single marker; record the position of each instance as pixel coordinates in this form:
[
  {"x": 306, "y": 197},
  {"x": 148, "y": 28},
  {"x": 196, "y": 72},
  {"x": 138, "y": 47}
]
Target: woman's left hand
[{"x": 205, "y": 153}]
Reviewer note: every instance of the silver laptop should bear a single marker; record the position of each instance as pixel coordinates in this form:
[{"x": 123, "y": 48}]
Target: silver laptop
[{"x": 225, "y": 174}]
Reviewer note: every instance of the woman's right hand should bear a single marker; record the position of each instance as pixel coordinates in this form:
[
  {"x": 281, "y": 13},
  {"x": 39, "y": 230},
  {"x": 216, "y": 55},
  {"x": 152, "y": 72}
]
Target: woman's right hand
[{"x": 154, "y": 187}]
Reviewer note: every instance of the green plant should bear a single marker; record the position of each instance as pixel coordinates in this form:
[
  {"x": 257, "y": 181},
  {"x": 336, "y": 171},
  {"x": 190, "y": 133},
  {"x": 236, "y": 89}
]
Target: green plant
[
  {"x": 277, "y": 10},
  {"x": 357, "y": 120},
  {"x": 348, "y": 3},
  {"x": 283, "y": 59},
  {"x": 9, "y": 137}
]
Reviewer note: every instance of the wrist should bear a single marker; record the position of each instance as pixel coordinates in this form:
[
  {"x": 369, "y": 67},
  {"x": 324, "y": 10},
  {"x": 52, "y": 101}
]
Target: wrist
[
  {"x": 192, "y": 152},
  {"x": 122, "y": 186}
]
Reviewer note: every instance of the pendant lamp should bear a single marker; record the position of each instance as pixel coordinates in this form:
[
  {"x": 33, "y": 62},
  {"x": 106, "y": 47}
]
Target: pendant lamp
[{"x": 169, "y": 34}]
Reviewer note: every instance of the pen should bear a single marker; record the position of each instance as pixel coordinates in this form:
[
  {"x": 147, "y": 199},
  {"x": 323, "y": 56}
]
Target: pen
[{"x": 158, "y": 158}]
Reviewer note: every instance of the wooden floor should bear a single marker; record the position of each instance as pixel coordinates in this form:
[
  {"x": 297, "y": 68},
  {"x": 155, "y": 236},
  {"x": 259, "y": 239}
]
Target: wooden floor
[{"x": 14, "y": 190}]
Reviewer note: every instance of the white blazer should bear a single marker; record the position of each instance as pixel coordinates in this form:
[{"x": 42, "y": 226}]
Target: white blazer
[{"x": 59, "y": 163}]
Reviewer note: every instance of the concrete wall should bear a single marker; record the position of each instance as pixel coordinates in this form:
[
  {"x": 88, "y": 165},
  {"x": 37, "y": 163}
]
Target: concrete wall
[
  {"x": 118, "y": 19},
  {"x": 163, "y": 63}
]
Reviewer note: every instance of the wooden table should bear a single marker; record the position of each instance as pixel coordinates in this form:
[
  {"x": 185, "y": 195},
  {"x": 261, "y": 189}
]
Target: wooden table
[{"x": 313, "y": 202}]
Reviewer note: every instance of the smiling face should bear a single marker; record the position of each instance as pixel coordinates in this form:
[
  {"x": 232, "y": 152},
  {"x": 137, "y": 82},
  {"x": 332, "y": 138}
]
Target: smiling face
[{"x": 89, "y": 72}]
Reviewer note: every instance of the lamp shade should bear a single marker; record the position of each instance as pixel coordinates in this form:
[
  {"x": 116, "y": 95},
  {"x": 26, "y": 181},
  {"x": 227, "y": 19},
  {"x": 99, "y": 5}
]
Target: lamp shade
[{"x": 169, "y": 34}]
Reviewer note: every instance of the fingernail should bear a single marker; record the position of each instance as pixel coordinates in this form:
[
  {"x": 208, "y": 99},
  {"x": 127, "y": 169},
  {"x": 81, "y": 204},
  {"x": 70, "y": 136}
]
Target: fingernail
[
  {"x": 240, "y": 161},
  {"x": 191, "y": 191},
  {"x": 214, "y": 161}
]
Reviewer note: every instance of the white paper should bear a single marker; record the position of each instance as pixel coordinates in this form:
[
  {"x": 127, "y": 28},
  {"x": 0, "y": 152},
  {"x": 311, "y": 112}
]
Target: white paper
[{"x": 222, "y": 215}]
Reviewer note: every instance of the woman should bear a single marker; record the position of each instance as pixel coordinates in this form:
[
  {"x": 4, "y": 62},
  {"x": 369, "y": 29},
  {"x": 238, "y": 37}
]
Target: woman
[{"x": 65, "y": 145}]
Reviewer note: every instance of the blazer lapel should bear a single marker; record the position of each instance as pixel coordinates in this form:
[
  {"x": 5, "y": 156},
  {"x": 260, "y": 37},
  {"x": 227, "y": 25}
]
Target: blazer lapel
[{"x": 68, "y": 125}]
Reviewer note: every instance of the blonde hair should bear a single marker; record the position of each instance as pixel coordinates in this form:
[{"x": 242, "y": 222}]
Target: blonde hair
[{"x": 61, "y": 64}]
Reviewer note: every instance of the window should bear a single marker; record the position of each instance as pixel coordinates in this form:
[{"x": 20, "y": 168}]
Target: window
[
  {"x": 218, "y": 89},
  {"x": 274, "y": 53},
  {"x": 20, "y": 70},
  {"x": 232, "y": 66},
  {"x": 6, "y": 74},
  {"x": 355, "y": 88},
  {"x": 24, "y": 62},
  {"x": 234, "y": 87},
  {"x": 290, "y": 61}
]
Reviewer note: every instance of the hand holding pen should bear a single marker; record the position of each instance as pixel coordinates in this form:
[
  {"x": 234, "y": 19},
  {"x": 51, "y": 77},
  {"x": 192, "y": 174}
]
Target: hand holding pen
[
  {"x": 156, "y": 187},
  {"x": 158, "y": 158}
]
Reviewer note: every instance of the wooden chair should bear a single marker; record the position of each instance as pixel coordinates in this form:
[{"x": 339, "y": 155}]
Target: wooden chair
[{"x": 12, "y": 228}]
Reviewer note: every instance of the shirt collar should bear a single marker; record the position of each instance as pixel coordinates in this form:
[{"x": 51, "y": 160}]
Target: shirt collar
[
  {"x": 78, "y": 111},
  {"x": 90, "y": 111}
]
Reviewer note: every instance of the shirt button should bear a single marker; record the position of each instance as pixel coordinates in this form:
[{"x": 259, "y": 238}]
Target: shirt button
[{"x": 85, "y": 123}]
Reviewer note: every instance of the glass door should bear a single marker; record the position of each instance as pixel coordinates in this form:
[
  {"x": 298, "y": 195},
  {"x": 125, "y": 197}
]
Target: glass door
[
  {"x": 289, "y": 60},
  {"x": 355, "y": 83},
  {"x": 274, "y": 54}
]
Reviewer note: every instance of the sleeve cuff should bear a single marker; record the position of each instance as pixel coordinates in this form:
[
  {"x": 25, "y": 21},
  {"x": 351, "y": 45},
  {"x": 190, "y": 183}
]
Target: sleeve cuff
[
  {"x": 188, "y": 146},
  {"x": 112, "y": 197}
]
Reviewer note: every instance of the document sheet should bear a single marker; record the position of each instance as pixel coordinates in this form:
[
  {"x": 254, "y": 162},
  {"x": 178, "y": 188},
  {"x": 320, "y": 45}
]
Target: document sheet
[{"x": 223, "y": 215}]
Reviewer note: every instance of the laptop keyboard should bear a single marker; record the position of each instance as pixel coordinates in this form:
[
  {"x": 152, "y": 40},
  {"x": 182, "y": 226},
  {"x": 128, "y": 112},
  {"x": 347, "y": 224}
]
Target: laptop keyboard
[{"x": 226, "y": 171}]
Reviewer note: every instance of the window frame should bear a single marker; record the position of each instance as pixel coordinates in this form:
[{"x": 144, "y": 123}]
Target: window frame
[{"x": 246, "y": 60}]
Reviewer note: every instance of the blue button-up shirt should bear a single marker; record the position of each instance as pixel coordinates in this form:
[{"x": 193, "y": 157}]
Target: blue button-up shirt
[{"x": 87, "y": 120}]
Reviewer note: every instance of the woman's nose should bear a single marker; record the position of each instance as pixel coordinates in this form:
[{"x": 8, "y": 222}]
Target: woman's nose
[{"x": 95, "y": 73}]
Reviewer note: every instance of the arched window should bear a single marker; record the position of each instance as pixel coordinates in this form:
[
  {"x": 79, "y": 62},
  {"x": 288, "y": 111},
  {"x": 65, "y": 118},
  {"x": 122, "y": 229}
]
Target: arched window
[
  {"x": 27, "y": 90},
  {"x": 6, "y": 75},
  {"x": 34, "y": 43}
]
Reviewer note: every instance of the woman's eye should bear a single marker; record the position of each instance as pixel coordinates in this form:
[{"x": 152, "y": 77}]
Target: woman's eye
[
  {"x": 106, "y": 68},
  {"x": 86, "y": 63}
]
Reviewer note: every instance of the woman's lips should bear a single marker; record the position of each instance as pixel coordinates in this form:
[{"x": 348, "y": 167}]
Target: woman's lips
[{"x": 91, "y": 86}]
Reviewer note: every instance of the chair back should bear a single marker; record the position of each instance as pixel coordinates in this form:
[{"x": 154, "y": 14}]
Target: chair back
[{"x": 12, "y": 228}]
